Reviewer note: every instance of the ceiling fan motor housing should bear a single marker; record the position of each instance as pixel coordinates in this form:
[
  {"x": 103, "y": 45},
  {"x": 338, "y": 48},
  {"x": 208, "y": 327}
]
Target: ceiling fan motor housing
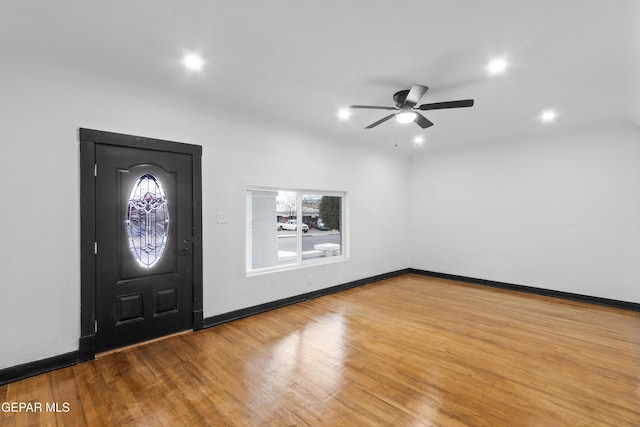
[{"x": 399, "y": 97}]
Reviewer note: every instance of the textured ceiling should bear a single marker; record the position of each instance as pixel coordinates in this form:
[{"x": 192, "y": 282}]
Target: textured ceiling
[{"x": 296, "y": 63}]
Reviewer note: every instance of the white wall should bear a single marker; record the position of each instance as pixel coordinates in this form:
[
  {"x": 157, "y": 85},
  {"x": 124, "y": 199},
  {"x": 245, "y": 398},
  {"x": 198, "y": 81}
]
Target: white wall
[
  {"x": 44, "y": 104},
  {"x": 253, "y": 157},
  {"x": 371, "y": 179},
  {"x": 557, "y": 211}
]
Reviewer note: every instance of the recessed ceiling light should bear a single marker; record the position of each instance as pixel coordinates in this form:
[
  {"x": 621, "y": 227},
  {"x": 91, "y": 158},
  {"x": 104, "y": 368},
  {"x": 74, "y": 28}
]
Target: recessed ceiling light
[
  {"x": 193, "y": 62},
  {"x": 548, "y": 116},
  {"x": 497, "y": 66},
  {"x": 418, "y": 140},
  {"x": 344, "y": 114}
]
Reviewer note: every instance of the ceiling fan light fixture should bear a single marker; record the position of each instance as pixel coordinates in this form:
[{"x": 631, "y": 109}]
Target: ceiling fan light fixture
[{"x": 406, "y": 116}]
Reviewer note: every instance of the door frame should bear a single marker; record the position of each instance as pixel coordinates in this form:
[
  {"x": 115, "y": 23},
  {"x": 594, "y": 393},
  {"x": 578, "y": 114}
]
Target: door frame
[{"x": 89, "y": 138}]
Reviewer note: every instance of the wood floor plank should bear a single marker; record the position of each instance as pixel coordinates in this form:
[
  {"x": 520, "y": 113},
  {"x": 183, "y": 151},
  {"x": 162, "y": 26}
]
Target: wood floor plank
[{"x": 410, "y": 350}]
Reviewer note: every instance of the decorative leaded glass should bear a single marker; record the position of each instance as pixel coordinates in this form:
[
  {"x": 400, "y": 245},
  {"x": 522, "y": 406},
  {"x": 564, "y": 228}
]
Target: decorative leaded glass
[{"x": 147, "y": 221}]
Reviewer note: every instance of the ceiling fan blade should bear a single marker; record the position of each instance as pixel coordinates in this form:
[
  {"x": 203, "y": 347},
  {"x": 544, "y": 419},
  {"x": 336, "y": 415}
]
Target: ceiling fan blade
[
  {"x": 414, "y": 95},
  {"x": 372, "y": 107},
  {"x": 422, "y": 121},
  {"x": 447, "y": 104},
  {"x": 382, "y": 120}
]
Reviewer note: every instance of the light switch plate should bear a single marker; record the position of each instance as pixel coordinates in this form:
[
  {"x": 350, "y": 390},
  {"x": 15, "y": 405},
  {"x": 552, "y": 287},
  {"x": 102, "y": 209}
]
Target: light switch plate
[{"x": 221, "y": 217}]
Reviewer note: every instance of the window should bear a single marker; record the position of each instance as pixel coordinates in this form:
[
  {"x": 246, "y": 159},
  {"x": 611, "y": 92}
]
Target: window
[
  {"x": 147, "y": 221},
  {"x": 288, "y": 228}
]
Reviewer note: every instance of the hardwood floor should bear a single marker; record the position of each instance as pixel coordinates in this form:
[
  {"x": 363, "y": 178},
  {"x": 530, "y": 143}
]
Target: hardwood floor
[{"x": 411, "y": 350}]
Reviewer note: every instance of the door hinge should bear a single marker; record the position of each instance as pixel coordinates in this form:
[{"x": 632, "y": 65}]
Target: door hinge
[
  {"x": 95, "y": 169},
  {"x": 95, "y": 248},
  {"x": 95, "y": 327}
]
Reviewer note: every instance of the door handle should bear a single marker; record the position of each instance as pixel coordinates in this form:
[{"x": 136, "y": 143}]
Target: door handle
[{"x": 186, "y": 250}]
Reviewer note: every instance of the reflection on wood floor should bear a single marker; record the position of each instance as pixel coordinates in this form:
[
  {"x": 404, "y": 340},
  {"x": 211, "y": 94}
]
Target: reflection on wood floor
[{"x": 411, "y": 350}]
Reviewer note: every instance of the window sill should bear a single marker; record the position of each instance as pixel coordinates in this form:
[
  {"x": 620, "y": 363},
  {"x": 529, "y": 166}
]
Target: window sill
[{"x": 310, "y": 262}]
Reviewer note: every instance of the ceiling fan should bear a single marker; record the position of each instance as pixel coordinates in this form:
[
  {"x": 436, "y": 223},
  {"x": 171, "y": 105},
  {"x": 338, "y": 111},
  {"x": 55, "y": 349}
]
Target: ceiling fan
[{"x": 406, "y": 111}]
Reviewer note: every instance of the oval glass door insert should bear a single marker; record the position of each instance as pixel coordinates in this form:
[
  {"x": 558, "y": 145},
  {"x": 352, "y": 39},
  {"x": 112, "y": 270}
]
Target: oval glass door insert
[{"x": 147, "y": 221}]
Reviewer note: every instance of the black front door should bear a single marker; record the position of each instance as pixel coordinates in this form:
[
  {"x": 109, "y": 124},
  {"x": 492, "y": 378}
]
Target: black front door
[{"x": 144, "y": 244}]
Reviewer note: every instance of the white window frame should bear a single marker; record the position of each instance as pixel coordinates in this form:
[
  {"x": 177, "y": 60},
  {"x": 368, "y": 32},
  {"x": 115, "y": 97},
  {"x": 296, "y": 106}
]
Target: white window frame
[{"x": 302, "y": 263}]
